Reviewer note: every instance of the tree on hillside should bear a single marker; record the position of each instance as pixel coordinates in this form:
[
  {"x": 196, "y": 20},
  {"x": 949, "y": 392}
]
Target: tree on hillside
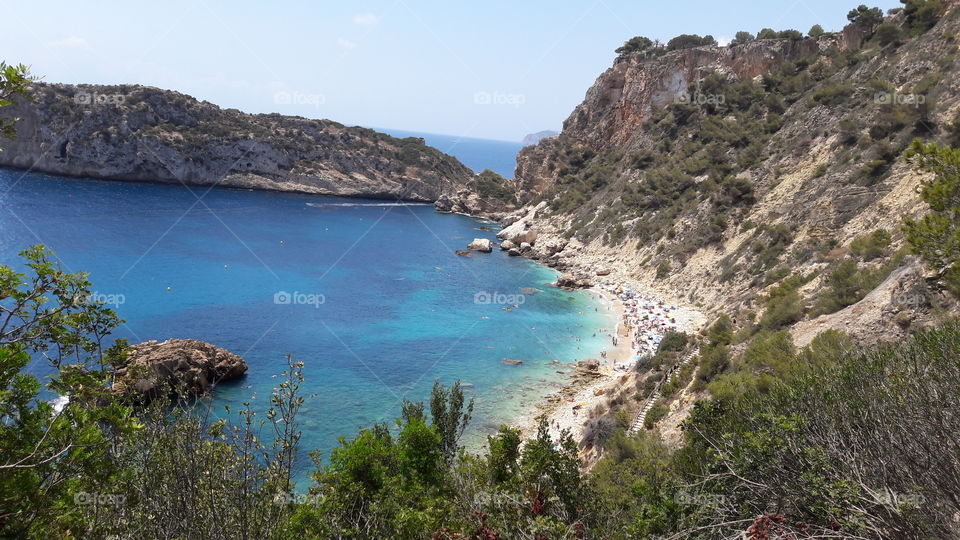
[
  {"x": 790, "y": 34},
  {"x": 767, "y": 33},
  {"x": 635, "y": 44},
  {"x": 936, "y": 236},
  {"x": 816, "y": 31},
  {"x": 742, "y": 37},
  {"x": 864, "y": 16},
  {"x": 688, "y": 41},
  {"x": 13, "y": 82},
  {"x": 921, "y": 15}
]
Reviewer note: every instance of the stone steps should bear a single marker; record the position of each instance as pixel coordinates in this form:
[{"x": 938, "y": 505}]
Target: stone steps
[{"x": 637, "y": 424}]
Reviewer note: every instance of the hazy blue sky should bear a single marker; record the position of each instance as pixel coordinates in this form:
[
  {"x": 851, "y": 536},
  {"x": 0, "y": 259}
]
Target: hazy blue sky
[{"x": 490, "y": 69}]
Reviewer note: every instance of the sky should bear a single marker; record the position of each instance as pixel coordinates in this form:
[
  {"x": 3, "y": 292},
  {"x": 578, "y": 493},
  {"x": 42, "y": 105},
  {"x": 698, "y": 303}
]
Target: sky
[{"x": 495, "y": 69}]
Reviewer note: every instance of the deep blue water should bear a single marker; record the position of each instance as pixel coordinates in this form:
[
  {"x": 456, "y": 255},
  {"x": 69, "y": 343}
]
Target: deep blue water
[
  {"x": 398, "y": 307},
  {"x": 478, "y": 154}
]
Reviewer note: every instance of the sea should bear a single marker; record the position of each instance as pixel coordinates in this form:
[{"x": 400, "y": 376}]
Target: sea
[
  {"x": 369, "y": 295},
  {"x": 478, "y": 154}
]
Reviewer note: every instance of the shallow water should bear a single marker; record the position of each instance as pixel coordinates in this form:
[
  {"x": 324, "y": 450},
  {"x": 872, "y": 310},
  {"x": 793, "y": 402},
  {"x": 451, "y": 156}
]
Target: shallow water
[{"x": 379, "y": 305}]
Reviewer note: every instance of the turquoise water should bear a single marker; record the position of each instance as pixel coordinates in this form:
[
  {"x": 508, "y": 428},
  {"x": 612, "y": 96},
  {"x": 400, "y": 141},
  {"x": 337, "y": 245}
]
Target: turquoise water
[
  {"x": 398, "y": 305},
  {"x": 478, "y": 154}
]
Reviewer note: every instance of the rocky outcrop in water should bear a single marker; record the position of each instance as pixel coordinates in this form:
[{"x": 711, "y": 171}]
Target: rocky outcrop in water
[
  {"x": 174, "y": 367},
  {"x": 132, "y": 132}
]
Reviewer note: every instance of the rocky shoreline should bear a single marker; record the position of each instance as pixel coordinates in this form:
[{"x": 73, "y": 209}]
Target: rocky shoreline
[{"x": 529, "y": 233}]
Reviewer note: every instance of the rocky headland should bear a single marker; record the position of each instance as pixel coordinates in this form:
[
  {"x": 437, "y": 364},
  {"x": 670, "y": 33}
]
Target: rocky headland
[{"x": 132, "y": 132}]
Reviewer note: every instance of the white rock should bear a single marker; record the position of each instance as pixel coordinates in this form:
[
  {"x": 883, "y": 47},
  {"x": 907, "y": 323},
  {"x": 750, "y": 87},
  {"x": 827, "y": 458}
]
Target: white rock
[{"x": 480, "y": 244}]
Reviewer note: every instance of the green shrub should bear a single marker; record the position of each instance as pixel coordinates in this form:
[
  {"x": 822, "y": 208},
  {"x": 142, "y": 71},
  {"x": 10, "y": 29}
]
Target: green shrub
[
  {"x": 663, "y": 270},
  {"x": 922, "y": 15},
  {"x": 742, "y": 37},
  {"x": 673, "y": 342},
  {"x": 491, "y": 185},
  {"x": 870, "y": 246},
  {"x": 936, "y": 236},
  {"x": 888, "y": 34},
  {"x": 865, "y": 16},
  {"x": 635, "y": 44},
  {"x": 688, "y": 41},
  {"x": 847, "y": 284},
  {"x": 783, "y": 305},
  {"x": 767, "y": 33},
  {"x": 655, "y": 414},
  {"x": 833, "y": 94}
]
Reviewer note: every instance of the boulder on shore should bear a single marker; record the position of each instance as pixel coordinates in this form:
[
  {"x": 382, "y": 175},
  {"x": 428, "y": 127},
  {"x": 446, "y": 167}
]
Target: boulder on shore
[
  {"x": 570, "y": 281},
  {"x": 177, "y": 366},
  {"x": 480, "y": 244},
  {"x": 507, "y": 245}
]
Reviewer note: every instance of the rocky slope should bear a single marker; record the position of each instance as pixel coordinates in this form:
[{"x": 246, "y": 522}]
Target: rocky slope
[
  {"x": 716, "y": 174},
  {"x": 141, "y": 133}
]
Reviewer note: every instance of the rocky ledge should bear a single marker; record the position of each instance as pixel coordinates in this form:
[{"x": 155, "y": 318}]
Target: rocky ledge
[
  {"x": 132, "y": 132},
  {"x": 178, "y": 366}
]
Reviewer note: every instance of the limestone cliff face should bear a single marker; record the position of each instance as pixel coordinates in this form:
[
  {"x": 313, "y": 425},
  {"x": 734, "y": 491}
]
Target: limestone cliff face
[
  {"x": 623, "y": 98},
  {"x": 142, "y": 133},
  {"x": 805, "y": 156}
]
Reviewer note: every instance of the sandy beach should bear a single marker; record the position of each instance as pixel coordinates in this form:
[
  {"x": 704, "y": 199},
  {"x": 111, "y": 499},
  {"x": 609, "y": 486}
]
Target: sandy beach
[{"x": 569, "y": 408}]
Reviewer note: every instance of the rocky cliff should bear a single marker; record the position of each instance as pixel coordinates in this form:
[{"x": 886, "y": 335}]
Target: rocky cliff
[
  {"x": 142, "y": 133},
  {"x": 720, "y": 175}
]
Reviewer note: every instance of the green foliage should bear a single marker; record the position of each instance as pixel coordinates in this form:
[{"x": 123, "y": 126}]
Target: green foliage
[
  {"x": 13, "y": 83},
  {"x": 865, "y": 16},
  {"x": 655, "y": 414},
  {"x": 783, "y": 305},
  {"x": 663, "y": 270},
  {"x": 888, "y": 34},
  {"x": 936, "y": 236},
  {"x": 790, "y": 34},
  {"x": 721, "y": 332},
  {"x": 743, "y": 37},
  {"x": 816, "y": 31},
  {"x": 921, "y": 15},
  {"x": 767, "y": 33},
  {"x": 847, "y": 284},
  {"x": 689, "y": 41},
  {"x": 635, "y": 44},
  {"x": 834, "y": 94},
  {"x": 871, "y": 246},
  {"x": 673, "y": 342},
  {"x": 491, "y": 185}
]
